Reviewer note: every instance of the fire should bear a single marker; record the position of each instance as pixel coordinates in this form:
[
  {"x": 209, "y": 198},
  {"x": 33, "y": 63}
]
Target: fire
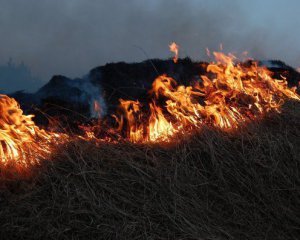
[
  {"x": 229, "y": 95},
  {"x": 135, "y": 128},
  {"x": 181, "y": 100},
  {"x": 159, "y": 128},
  {"x": 21, "y": 141},
  {"x": 175, "y": 49}
]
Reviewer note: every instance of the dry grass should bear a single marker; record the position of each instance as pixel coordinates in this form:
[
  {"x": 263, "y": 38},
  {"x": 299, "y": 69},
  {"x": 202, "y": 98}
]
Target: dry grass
[{"x": 213, "y": 186}]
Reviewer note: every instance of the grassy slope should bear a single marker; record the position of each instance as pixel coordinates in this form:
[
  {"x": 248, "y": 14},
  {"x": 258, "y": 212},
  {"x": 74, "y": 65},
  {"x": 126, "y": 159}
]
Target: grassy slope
[{"x": 213, "y": 186}]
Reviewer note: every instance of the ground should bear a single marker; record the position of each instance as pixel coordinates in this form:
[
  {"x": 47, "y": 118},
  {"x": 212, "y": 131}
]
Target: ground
[{"x": 212, "y": 185}]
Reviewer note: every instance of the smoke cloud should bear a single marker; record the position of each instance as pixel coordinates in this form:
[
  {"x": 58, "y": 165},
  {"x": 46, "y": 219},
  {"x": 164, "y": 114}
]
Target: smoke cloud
[{"x": 70, "y": 37}]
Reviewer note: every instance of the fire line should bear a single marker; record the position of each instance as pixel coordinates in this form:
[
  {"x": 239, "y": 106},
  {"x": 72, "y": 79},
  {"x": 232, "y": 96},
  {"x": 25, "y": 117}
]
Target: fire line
[{"x": 230, "y": 94}]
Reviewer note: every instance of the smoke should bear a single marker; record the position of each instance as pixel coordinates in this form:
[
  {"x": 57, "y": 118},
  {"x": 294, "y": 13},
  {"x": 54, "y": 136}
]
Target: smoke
[
  {"x": 94, "y": 96},
  {"x": 70, "y": 37},
  {"x": 75, "y": 91}
]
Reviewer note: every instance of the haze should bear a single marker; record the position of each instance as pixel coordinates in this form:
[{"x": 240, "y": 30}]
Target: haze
[{"x": 71, "y": 37}]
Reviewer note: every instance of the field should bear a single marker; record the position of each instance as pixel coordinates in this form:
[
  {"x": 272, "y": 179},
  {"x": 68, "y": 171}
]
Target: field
[{"x": 212, "y": 185}]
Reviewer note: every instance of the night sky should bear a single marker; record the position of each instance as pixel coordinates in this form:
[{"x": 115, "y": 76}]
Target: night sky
[{"x": 70, "y": 37}]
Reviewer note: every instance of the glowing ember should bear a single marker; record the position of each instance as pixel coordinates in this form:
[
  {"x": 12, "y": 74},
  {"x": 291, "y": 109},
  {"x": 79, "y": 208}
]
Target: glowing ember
[
  {"x": 175, "y": 49},
  {"x": 21, "y": 141}
]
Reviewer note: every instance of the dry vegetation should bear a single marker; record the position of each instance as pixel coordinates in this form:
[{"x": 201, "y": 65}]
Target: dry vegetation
[{"x": 215, "y": 185}]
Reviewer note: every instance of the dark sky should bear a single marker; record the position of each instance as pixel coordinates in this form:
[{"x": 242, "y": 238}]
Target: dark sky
[{"x": 71, "y": 36}]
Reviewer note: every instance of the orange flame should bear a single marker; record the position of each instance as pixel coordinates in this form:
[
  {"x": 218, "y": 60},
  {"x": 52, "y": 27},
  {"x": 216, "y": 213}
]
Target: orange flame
[
  {"x": 175, "y": 49},
  {"x": 132, "y": 114},
  {"x": 21, "y": 141},
  {"x": 156, "y": 129},
  {"x": 228, "y": 96},
  {"x": 159, "y": 128}
]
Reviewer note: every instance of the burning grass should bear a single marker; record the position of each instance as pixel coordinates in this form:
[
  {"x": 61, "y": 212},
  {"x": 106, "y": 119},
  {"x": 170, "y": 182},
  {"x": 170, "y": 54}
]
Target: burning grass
[
  {"x": 212, "y": 160},
  {"x": 212, "y": 185},
  {"x": 22, "y": 143},
  {"x": 230, "y": 95}
]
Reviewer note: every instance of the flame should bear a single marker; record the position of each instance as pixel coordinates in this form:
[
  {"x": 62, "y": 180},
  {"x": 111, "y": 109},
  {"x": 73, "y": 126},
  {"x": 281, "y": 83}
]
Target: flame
[
  {"x": 175, "y": 49},
  {"x": 229, "y": 95},
  {"x": 159, "y": 128},
  {"x": 21, "y": 141},
  {"x": 156, "y": 129},
  {"x": 132, "y": 114}
]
